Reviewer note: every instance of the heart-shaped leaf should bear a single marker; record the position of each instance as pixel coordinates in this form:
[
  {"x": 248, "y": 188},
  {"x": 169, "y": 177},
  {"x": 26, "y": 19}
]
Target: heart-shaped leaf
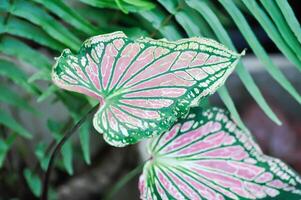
[
  {"x": 206, "y": 156},
  {"x": 143, "y": 85}
]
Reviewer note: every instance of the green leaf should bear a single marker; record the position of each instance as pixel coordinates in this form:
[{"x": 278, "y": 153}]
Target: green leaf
[
  {"x": 135, "y": 32},
  {"x": 272, "y": 32},
  {"x": 49, "y": 91},
  {"x": 66, "y": 151},
  {"x": 41, "y": 154},
  {"x": 142, "y": 4},
  {"x": 13, "y": 47},
  {"x": 69, "y": 15},
  {"x": 55, "y": 128},
  {"x": 4, "y": 6},
  {"x": 40, "y": 75},
  {"x": 5, "y": 145},
  {"x": 242, "y": 73},
  {"x": 67, "y": 155},
  {"x": 101, "y": 4},
  {"x": 120, "y": 6},
  {"x": 10, "y": 97},
  {"x": 123, "y": 5},
  {"x": 188, "y": 18},
  {"x": 22, "y": 28},
  {"x": 11, "y": 71},
  {"x": 285, "y": 31},
  {"x": 33, "y": 182},
  {"x": 84, "y": 138},
  {"x": 3, "y": 150},
  {"x": 290, "y": 17},
  {"x": 221, "y": 15},
  {"x": 137, "y": 5},
  {"x": 258, "y": 50},
  {"x": 8, "y": 121},
  {"x": 162, "y": 23},
  {"x": 41, "y": 18}
]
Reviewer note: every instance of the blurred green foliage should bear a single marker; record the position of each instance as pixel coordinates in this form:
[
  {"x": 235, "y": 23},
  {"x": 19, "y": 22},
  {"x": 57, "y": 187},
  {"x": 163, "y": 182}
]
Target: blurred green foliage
[{"x": 33, "y": 32}]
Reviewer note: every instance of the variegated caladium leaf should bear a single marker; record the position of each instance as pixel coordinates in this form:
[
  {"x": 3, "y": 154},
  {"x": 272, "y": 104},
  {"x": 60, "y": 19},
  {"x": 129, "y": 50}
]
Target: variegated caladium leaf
[
  {"x": 143, "y": 85},
  {"x": 206, "y": 156}
]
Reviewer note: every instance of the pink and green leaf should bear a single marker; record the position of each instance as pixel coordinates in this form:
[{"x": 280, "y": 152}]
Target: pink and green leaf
[
  {"x": 143, "y": 85},
  {"x": 206, "y": 156}
]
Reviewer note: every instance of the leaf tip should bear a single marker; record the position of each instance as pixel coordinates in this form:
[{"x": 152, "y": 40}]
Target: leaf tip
[
  {"x": 278, "y": 122},
  {"x": 243, "y": 52}
]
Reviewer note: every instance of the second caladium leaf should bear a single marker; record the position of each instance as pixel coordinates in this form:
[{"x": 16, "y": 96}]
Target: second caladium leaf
[
  {"x": 206, "y": 156},
  {"x": 143, "y": 85}
]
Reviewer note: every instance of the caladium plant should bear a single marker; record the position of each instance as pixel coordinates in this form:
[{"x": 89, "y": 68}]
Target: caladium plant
[
  {"x": 206, "y": 156},
  {"x": 143, "y": 85},
  {"x": 145, "y": 88}
]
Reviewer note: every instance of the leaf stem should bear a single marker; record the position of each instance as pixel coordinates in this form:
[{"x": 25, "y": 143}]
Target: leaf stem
[{"x": 58, "y": 147}]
